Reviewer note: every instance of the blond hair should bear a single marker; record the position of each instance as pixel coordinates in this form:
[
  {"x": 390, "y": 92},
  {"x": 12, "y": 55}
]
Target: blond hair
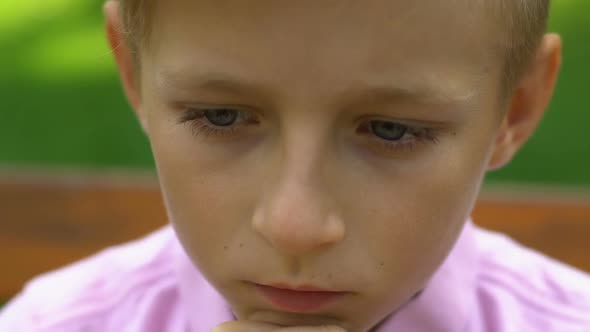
[{"x": 525, "y": 22}]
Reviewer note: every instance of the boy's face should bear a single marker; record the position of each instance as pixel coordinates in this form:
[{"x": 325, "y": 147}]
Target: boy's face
[{"x": 338, "y": 144}]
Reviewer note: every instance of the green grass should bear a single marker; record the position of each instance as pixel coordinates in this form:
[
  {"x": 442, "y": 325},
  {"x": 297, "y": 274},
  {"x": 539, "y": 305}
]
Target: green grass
[{"x": 62, "y": 105}]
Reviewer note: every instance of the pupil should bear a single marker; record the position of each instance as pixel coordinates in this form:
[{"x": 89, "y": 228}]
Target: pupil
[
  {"x": 388, "y": 130},
  {"x": 221, "y": 117}
]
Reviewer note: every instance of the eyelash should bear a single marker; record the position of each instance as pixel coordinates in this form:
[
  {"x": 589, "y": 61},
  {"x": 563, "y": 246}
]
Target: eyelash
[
  {"x": 201, "y": 126},
  {"x": 419, "y": 135}
]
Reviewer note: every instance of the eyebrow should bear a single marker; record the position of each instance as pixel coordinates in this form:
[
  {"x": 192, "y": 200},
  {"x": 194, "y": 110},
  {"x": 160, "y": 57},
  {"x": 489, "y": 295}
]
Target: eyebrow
[
  {"x": 424, "y": 92},
  {"x": 211, "y": 81},
  {"x": 421, "y": 90}
]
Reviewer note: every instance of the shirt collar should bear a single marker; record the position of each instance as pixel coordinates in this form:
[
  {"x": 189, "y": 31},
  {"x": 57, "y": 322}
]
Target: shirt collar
[
  {"x": 444, "y": 305},
  {"x": 446, "y": 302},
  {"x": 203, "y": 306}
]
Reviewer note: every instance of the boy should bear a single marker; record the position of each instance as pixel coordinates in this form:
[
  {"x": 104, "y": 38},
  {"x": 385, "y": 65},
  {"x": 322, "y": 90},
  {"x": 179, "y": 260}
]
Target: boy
[{"x": 319, "y": 161}]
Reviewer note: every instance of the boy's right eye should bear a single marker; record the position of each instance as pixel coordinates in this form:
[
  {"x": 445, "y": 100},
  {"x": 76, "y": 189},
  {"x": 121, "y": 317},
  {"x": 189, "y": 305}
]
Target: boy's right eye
[
  {"x": 221, "y": 121},
  {"x": 389, "y": 131},
  {"x": 222, "y": 117}
]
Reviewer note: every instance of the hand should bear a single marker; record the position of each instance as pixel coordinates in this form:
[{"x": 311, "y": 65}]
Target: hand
[{"x": 248, "y": 326}]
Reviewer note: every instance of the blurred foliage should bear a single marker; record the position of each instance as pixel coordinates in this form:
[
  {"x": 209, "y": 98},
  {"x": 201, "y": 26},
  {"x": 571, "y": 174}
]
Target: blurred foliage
[
  {"x": 62, "y": 104},
  {"x": 559, "y": 152}
]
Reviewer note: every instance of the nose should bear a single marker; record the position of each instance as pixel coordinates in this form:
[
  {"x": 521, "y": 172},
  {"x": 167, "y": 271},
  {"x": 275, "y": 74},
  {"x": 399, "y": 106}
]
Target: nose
[{"x": 297, "y": 220}]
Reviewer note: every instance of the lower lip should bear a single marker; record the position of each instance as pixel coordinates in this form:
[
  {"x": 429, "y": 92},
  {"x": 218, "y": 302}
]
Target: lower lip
[{"x": 298, "y": 301}]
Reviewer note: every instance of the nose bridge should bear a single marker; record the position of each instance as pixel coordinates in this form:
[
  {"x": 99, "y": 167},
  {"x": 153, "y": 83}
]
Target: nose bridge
[
  {"x": 298, "y": 215},
  {"x": 303, "y": 151}
]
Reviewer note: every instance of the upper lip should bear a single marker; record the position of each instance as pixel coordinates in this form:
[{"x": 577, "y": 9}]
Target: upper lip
[{"x": 300, "y": 288}]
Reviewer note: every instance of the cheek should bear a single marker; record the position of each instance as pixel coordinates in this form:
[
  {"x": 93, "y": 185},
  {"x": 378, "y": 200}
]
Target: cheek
[
  {"x": 207, "y": 199},
  {"x": 416, "y": 215},
  {"x": 211, "y": 216}
]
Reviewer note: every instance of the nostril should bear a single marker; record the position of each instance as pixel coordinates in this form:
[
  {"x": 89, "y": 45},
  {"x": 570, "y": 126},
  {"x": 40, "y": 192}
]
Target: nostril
[
  {"x": 335, "y": 229},
  {"x": 297, "y": 233}
]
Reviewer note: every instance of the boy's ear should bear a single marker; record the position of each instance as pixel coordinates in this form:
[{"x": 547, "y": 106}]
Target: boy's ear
[
  {"x": 528, "y": 103},
  {"x": 124, "y": 58}
]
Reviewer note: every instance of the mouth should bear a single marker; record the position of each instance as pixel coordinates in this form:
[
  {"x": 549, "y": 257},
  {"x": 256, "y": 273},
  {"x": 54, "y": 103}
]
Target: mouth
[{"x": 298, "y": 299}]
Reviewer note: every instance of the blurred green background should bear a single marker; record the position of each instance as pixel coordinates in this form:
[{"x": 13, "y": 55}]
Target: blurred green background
[{"x": 62, "y": 106}]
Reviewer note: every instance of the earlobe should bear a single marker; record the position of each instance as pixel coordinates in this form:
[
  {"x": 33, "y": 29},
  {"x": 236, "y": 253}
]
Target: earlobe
[
  {"x": 528, "y": 103},
  {"x": 123, "y": 57},
  {"x": 502, "y": 150}
]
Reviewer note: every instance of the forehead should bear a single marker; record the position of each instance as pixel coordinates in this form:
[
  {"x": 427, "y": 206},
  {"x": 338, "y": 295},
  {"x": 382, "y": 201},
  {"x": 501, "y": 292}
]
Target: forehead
[{"x": 309, "y": 43}]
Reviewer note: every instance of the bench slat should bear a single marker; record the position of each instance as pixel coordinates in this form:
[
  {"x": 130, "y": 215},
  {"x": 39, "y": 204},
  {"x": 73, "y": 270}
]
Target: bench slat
[{"x": 45, "y": 224}]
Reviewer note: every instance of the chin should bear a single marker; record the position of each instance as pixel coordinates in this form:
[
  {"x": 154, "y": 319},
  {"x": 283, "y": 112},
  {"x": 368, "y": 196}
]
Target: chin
[{"x": 287, "y": 319}]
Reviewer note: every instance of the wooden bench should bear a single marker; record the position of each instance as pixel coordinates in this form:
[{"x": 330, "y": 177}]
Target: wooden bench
[{"x": 47, "y": 221}]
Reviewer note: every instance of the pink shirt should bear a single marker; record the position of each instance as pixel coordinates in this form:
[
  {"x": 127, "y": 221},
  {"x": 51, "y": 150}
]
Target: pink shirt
[{"x": 487, "y": 283}]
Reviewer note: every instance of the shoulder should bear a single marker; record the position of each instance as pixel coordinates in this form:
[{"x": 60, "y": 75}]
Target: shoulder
[
  {"x": 106, "y": 289},
  {"x": 519, "y": 287}
]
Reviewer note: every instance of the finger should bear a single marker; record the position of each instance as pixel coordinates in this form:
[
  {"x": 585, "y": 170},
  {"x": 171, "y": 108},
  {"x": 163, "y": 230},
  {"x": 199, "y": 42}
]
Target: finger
[
  {"x": 245, "y": 326},
  {"x": 323, "y": 328}
]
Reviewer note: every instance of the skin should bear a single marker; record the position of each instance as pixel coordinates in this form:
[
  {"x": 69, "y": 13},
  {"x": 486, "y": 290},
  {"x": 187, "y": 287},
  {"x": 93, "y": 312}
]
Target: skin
[{"x": 301, "y": 192}]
